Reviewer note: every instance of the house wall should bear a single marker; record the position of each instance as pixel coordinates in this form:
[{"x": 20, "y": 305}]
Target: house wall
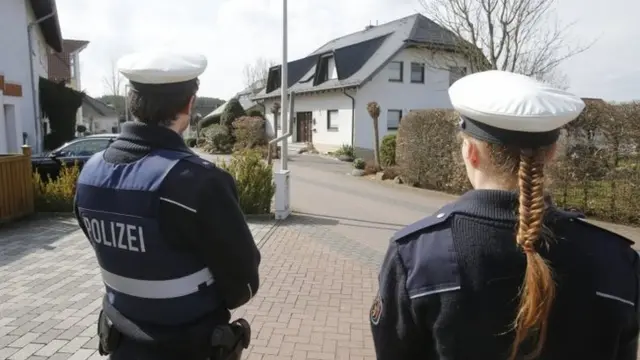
[
  {"x": 15, "y": 15},
  {"x": 10, "y": 129},
  {"x": 101, "y": 125},
  {"x": 324, "y": 139},
  {"x": 75, "y": 80},
  {"x": 404, "y": 95}
]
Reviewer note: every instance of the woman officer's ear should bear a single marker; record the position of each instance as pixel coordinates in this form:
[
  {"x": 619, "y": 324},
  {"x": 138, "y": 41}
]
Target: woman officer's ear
[{"x": 471, "y": 152}]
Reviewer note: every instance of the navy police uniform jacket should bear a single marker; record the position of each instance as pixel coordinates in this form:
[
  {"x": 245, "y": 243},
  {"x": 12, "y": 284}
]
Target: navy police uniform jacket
[
  {"x": 449, "y": 286},
  {"x": 171, "y": 241}
]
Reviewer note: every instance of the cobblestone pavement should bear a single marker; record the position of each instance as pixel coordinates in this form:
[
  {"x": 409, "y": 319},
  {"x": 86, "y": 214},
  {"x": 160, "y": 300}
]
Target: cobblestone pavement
[
  {"x": 315, "y": 296},
  {"x": 51, "y": 290}
]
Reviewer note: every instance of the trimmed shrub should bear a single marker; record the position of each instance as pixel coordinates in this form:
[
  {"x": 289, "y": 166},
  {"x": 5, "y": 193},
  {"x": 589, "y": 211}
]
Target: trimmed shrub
[
  {"x": 191, "y": 142},
  {"x": 359, "y": 164},
  {"x": 56, "y": 195},
  {"x": 596, "y": 170},
  {"x": 254, "y": 180},
  {"x": 232, "y": 111},
  {"x": 217, "y": 139},
  {"x": 255, "y": 113},
  {"x": 388, "y": 150},
  {"x": 427, "y": 151},
  {"x": 250, "y": 132}
]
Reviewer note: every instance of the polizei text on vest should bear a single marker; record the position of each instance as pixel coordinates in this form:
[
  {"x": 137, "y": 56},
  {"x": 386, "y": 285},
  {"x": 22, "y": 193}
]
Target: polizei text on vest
[{"x": 116, "y": 234}]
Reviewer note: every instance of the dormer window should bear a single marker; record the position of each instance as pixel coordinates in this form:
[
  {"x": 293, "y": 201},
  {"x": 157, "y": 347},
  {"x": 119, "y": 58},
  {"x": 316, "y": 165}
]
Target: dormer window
[
  {"x": 326, "y": 69},
  {"x": 275, "y": 80}
]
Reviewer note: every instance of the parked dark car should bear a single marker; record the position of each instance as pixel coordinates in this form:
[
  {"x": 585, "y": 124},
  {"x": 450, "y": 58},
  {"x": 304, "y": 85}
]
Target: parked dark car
[{"x": 78, "y": 150}]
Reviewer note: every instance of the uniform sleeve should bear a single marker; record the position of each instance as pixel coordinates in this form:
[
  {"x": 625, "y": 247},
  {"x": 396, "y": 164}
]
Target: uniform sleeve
[
  {"x": 628, "y": 349},
  {"x": 76, "y": 213},
  {"x": 395, "y": 333},
  {"x": 233, "y": 256}
]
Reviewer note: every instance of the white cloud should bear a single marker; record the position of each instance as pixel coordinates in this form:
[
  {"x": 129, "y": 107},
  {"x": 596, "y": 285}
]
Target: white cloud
[{"x": 232, "y": 33}]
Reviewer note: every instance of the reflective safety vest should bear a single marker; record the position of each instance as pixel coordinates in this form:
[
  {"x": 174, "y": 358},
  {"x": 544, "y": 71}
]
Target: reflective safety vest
[{"x": 146, "y": 279}]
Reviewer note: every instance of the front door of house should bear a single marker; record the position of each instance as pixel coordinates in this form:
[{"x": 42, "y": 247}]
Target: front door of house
[{"x": 303, "y": 126}]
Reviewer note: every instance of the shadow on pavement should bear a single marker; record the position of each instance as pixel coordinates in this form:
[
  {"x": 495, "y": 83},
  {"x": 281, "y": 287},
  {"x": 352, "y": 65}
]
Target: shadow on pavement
[
  {"x": 303, "y": 218},
  {"x": 39, "y": 232}
]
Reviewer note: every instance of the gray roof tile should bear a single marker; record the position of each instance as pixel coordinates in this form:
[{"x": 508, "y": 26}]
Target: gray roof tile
[{"x": 96, "y": 108}]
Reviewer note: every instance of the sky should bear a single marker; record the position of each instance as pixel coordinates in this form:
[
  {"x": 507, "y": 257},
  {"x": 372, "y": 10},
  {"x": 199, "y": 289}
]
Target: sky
[{"x": 234, "y": 33}]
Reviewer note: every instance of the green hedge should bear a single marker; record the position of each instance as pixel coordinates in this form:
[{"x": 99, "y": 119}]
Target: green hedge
[
  {"x": 596, "y": 171},
  {"x": 428, "y": 153}
]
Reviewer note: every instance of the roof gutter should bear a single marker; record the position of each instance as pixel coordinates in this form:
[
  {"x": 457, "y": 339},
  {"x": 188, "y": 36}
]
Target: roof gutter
[
  {"x": 353, "y": 116},
  {"x": 36, "y": 118}
]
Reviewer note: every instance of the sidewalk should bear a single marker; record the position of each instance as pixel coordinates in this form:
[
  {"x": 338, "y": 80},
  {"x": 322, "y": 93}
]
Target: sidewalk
[{"x": 315, "y": 296}]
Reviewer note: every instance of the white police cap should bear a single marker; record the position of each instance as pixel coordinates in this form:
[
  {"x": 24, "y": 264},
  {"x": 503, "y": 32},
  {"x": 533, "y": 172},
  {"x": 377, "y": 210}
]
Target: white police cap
[
  {"x": 161, "y": 67},
  {"x": 512, "y": 109}
]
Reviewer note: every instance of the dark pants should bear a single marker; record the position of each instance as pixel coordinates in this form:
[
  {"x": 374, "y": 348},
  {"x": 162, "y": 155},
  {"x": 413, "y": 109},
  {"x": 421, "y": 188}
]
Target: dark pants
[{"x": 130, "y": 350}]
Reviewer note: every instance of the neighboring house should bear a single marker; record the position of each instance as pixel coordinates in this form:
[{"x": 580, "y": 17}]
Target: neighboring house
[
  {"x": 404, "y": 65},
  {"x": 245, "y": 97},
  {"x": 99, "y": 118},
  {"x": 65, "y": 67},
  {"x": 30, "y": 31}
]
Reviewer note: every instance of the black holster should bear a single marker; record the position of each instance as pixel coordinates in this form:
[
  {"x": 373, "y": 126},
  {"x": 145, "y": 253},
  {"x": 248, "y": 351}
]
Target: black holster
[
  {"x": 230, "y": 340},
  {"x": 109, "y": 336}
]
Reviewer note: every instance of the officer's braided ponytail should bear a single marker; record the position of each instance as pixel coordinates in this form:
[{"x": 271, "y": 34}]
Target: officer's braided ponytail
[{"x": 538, "y": 290}]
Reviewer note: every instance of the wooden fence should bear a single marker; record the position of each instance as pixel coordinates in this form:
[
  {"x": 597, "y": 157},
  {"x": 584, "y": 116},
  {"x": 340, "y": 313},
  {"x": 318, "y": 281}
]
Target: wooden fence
[{"x": 16, "y": 187}]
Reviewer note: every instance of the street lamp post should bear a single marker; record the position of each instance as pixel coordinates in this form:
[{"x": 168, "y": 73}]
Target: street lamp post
[{"x": 281, "y": 177}]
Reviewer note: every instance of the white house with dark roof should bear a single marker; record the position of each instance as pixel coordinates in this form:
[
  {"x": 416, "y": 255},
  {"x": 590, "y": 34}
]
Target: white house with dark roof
[
  {"x": 403, "y": 65},
  {"x": 98, "y": 117},
  {"x": 245, "y": 98}
]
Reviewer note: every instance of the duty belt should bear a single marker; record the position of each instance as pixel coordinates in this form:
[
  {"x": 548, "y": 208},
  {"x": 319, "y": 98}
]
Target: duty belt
[{"x": 225, "y": 343}]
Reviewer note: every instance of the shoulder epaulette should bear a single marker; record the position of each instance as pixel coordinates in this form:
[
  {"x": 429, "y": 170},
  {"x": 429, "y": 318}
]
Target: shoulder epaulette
[{"x": 439, "y": 217}]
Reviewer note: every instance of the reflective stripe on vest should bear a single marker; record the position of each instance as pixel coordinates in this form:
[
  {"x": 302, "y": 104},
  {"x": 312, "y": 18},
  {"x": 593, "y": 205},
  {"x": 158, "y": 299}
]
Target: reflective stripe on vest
[
  {"x": 146, "y": 278},
  {"x": 158, "y": 289}
]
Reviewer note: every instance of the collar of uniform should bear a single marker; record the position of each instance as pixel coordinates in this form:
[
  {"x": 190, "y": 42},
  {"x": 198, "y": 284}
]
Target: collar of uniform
[
  {"x": 154, "y": 136},
  {"x": 491, "y": 204}
]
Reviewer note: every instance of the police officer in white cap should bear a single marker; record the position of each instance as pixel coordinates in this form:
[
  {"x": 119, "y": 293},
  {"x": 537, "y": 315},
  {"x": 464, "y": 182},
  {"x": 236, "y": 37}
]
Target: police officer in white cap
[
  {"x": 501, "y": 273},
  {"x": 173, "y": 246}
]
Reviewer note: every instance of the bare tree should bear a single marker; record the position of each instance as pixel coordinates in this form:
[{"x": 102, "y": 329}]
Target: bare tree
[
  {"x": 255, "y": 75},
  {"x": 113, "y": 82},
  {"x": 520, "y": 36}
]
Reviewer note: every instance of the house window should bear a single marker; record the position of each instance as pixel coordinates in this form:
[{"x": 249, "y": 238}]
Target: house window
[
  {"x": 393, "y": 119},
  {"x": 332, "y": 120},
  {"x": 455, "y": 73},
  {"x": 417, "y": 73},
  {"x": 395, "y": 71},
  {"x": 326, "y": 70}
]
